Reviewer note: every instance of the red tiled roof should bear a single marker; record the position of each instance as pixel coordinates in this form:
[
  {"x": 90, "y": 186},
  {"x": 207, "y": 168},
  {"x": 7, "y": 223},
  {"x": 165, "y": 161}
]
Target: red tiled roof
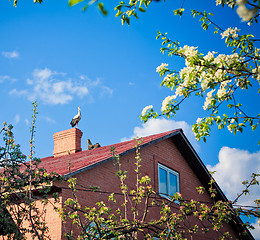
[{"x": 82, "y": 160}]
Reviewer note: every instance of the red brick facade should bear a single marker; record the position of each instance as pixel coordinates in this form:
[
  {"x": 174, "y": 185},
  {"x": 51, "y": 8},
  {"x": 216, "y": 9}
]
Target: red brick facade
[
  {"x": 68, "y": 141},
  {"x": 96, "y": 168},
  {"x": 163, "y": 152}
]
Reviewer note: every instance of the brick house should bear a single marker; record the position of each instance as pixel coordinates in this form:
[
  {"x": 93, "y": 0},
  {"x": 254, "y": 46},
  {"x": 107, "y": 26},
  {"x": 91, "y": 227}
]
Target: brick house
[{"x": 167, "y": 158}]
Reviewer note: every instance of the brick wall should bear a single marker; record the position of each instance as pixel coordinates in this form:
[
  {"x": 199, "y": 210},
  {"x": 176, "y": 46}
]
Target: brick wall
[
  {"x": 47, "y": 215},
  {"x": 52, "y": 218},
  {"x": 67, "y": 141},
  {"x": 163, "y": 152}
]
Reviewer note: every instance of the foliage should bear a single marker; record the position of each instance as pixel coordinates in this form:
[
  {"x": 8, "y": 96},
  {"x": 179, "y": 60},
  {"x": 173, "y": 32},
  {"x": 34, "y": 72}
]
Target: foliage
[
  {"x": 126, "y": 215},
  {"x": 123, "y": 9},
  {"x": 35, "y": 1},
  {"x": 22, "y": 183},
  {"x": 218, "y": 78}
]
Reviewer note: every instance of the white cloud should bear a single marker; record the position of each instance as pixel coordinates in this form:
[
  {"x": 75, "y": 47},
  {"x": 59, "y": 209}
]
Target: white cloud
[
  {"x": 3, "y": 78},
  {"x": 18, "y": 92},
  {"x": 256, "y": 231},
  {"x": 42, "y": 74},
  {"x": 12, "y": 54},
  {"x": 56, "y": 88},
  {"x": 234, "y": 166},
  {"x": 158, "y": 125},
  {"x": 46, "y": 87},
  {"x": 49, "y": 120},
  {"x": 90, "y": 82},
  {"x": 16, "y": 119},
  {"x": 6, "y": 78},
  {"x": 106, "y": 91},
  {"x": 97, "y": 85}
]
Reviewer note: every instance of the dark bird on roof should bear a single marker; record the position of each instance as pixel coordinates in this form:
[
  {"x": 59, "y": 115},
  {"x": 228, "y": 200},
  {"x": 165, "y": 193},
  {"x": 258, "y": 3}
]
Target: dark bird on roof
[
  {"x": 92, "y": 146},
  {"x": 76, "y": 119}
]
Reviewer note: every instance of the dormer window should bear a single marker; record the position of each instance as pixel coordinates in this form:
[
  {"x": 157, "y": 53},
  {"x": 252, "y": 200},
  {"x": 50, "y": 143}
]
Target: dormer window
[{"x": 168, "y": 181}]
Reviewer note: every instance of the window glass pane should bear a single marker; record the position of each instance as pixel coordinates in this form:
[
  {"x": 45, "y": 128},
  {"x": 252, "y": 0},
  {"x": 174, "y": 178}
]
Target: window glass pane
[
  {"x": 173, "y": 184},
  {"x": 162, "y": 181}
]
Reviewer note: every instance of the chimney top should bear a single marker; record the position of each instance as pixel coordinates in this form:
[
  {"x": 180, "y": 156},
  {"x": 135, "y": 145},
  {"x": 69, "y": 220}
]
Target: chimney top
[{"x": 67, "y": 141}]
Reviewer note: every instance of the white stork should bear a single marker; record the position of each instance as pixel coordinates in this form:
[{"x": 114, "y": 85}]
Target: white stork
[{"x": 76, "y": 119}]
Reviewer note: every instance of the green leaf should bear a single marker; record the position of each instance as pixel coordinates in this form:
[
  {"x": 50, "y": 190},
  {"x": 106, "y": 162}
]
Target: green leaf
[
  {"x": 74, "y": 2},
  {"x": 127, "y": 20},
  {"x": 141, "y": 9},
  {"x": 101, "y": 8},
  {"x": 123, "y": 19},
  {"x": 84, "y": 9},
  {"x": 134, "y": 13},
  {"x": 118, "y": 7},
  {"x": 141, "y": 2},
  {"x": 119, "y": 13}
]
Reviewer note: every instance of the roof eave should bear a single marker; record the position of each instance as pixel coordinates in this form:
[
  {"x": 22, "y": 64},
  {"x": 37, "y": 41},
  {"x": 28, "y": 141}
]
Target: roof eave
[{"x": 203, "y": 174}]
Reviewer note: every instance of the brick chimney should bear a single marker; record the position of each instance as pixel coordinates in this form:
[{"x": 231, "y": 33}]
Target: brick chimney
[{"x": 67, "y": 141}]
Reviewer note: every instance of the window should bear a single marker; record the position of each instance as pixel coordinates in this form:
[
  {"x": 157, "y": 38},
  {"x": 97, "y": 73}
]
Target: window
[{"x": 168, "y": 181}]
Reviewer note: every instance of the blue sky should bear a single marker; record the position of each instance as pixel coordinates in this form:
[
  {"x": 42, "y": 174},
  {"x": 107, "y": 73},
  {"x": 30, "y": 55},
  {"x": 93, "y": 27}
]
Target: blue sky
[{"x": 65, "y": 58}]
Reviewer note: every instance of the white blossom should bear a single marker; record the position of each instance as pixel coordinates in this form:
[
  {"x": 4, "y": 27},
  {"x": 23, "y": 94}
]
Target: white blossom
[
  {"x": 219, "y": 74},
  {"x": 168, "y": 77},
  {"x": 178, "y": 91},
  {"x": 204, "y": 85},
  {"x": 229, "y": 128},
  {"x": 231, "y": 4},
  {"x": 232, "y": 58},
  {"x": 161, "y": 67},
  {"x": 221, "y": 92},
  {"x": 147, "y": 108},
  {"x": 224, "y": 60},
  {"x": 166, "y": 102},
  {"x": 208, "y": 99},
  {"x": 230, "y": 32},
  {"x": 220, "y": 59},
  {"x": 256, "y": 72},
  {"x": 199, "y": 120},
  {"x": 189, "y": 51},
  {"x": 205, "y": 78},
  {"x": 188, "y": 74},
  {"x": 209, "y": 56},
  {"x": 218, "y": 2}
]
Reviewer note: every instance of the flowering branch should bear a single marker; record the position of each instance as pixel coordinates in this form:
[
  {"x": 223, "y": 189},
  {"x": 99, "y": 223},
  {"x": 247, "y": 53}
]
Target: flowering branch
[{"x": 204, "y": 74}]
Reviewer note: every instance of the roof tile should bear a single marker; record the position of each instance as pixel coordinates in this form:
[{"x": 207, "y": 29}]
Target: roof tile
[{"x": 87, "y": 158}]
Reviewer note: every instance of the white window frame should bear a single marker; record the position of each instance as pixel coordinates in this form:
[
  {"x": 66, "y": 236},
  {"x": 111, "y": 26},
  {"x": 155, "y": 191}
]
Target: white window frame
[{"x": 168, "y": 170}]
